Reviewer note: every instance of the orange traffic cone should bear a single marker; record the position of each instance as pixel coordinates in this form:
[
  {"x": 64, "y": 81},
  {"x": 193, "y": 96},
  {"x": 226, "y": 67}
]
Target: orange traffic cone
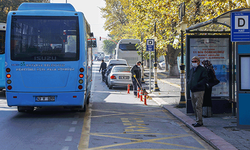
[{"x": 128, "y": 88}]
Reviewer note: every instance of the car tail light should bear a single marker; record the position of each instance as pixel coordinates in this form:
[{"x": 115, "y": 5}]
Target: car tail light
[
  {"x": 9, "y": 87},
  {"x": 80, "y": 87},
  {"x": 112, "y": 77}
]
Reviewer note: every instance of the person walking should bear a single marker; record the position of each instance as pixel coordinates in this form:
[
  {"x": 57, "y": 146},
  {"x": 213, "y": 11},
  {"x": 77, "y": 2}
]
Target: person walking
[
  {"x": 103, "y": 67},
  {"x": 136, "y": 76},
  {"x": 196, "y": 81}
]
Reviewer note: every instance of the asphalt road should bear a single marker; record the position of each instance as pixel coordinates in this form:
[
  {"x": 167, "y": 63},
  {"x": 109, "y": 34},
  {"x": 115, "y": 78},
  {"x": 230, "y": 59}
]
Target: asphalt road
[
  {"x": 114, "y": 120},
  {"x": 117, "y": 120}
]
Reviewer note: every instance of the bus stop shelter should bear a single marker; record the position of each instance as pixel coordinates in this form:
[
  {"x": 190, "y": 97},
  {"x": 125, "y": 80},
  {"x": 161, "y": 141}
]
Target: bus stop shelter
[{"x": 210, "y": 40}]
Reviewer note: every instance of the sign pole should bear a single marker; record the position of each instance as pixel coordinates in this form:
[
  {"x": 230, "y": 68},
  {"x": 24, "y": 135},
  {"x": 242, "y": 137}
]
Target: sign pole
[
  {"x": 149, "y": 71},
  {"x": 150, "y": 46}
]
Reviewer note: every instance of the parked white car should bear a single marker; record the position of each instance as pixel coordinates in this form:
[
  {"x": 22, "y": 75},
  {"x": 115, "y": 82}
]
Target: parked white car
[
  {"x": 162, "y": 65},
  {"x": 119, "y": 76}
]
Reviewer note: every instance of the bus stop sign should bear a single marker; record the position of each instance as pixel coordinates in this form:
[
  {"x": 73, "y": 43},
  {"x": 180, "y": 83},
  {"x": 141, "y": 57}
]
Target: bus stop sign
[
  {"x": 240, "y": 27},
  {"x": 150, "y": 45}
]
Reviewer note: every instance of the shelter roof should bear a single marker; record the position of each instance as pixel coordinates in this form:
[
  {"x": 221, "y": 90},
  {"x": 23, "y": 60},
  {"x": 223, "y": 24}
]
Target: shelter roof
[{"x": 223, "y": 19}]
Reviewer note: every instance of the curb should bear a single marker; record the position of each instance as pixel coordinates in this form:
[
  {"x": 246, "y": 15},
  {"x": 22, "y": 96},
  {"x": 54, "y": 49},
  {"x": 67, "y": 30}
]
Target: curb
[{"x": 211, "y": 138}]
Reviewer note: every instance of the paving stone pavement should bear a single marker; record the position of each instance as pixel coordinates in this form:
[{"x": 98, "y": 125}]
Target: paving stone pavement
[{"x": 220, "y": 130}]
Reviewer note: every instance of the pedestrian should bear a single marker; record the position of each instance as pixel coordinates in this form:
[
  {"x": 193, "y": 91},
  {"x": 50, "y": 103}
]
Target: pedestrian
[
  {"x": 103, "y": 67},
  {"x": 212, "y": 80},
  {"x": 136, "y": 76},
  {"x": 196, "y": 81}
]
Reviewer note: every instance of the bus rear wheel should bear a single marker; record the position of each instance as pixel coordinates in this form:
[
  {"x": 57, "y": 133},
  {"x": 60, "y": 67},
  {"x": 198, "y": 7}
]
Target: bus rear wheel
[{"x": 25, "y": 109}]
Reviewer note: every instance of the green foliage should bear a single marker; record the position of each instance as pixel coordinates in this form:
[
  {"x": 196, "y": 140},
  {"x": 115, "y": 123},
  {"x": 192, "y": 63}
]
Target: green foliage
[
  {"x": 131, "y": 18},
  {"x": 108, "y": 47},
  {"x": 9, "y": 5}
]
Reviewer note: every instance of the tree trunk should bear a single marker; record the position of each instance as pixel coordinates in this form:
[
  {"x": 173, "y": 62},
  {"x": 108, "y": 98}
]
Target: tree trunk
[
  {"x": 172, "y": 60},
  {"x": 166, "y": 62}
]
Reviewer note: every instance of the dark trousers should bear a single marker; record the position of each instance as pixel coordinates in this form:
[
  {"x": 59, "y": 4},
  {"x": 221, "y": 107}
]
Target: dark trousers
[
  {"x": 136, "y": 85},
  {"x": 103, "y": 73}
]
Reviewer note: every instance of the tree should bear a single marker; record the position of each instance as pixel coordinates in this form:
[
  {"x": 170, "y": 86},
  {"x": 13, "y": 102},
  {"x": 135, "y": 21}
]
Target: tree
[
  {"x": 131, "y": 18},
  {"x": 9, "y": 5},
  {"x": 108, "y": 46}
]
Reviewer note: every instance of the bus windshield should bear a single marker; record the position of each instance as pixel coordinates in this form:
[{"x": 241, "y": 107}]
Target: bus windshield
[
  {"x": 127, "y": 47},
  {"x": 44, "y": 38}
]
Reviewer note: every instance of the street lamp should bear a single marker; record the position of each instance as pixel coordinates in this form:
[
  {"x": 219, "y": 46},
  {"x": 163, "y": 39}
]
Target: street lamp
[
  {"x": 181, "y": 29},
  {"x": 142, "y": 65},
  {"x": 156, "y": 88}
]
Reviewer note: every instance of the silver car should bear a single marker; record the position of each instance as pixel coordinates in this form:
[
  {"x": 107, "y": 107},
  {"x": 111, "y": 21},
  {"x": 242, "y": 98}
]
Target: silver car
[{"x": 119, "y": 76}]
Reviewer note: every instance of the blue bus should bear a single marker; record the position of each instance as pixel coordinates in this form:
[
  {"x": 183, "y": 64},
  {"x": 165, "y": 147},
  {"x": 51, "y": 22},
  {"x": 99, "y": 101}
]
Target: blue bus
[
  {"x": 2, "y": 55},
  {"x": 48, "y": 61}
]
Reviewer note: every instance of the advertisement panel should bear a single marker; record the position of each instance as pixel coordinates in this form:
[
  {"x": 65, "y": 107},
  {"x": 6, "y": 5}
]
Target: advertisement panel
[{"x": 216, "y": 50}]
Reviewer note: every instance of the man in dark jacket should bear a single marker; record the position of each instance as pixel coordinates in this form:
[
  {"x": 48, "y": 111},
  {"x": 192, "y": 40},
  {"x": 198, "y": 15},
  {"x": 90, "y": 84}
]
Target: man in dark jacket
[
  {"x": 196, "y": 82},
  {"x": 136, "y": 76},
  {"x": 103, "y": 68}
]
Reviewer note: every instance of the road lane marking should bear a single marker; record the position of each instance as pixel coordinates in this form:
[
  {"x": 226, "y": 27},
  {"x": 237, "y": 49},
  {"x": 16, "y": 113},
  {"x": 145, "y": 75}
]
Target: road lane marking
[
  {"x": 137, "y": 141},
  {"x": 74, "y": 122},
  {"x": 65, "y": 148},
  {"x": 131, "y": 129},
  {"x": 176, "y": 85},
  {"x": 72, "y": 129},
  {"x": 116, "y": 113},
  {"x": 68, "y": 138},
  {"x": 84, "y": 140}
]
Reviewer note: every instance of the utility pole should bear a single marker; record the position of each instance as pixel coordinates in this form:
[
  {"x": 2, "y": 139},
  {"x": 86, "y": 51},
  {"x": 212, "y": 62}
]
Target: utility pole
[{"x": 156, "y": 88}]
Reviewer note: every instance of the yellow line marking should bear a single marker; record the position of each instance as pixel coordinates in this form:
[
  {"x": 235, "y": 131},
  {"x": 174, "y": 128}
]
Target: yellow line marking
[
  {"x": 139, "y": 121},
  {"x": 132, "y": 113},
  {"x": 136, "y": 127},
  {"x": 84, "y": 140},
  {"x": 136, "y": 141},
  {"x": 176, "y": 85},
  {"x": 127, "y": 124}
]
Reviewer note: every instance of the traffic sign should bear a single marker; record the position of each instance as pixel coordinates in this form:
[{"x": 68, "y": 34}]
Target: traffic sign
[
  {"x": 150, "y": 45},
  {"x": 240, "y": 29}
]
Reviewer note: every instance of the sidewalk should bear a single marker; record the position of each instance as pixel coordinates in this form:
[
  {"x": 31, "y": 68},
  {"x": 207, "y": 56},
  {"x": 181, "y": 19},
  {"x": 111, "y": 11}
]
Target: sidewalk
[{"x": 220, "y": 130}]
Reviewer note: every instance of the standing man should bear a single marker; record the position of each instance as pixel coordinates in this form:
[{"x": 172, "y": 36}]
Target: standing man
[
  {"x": 103, "y": 68},
  {"x": 196, "y": 82},
  {"x": 136, "y": 76}
]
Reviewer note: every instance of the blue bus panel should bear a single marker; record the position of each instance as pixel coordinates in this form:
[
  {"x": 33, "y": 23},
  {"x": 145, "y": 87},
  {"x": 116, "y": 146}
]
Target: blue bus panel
[{"x": 48, "y": 62}]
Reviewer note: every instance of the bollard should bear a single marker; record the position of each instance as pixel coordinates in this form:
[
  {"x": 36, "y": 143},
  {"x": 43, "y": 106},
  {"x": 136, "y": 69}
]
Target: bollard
[
  {"x": 138, "y": 92},
  {"x": 128, "y": 88},
  {"x": 141, "y": 96},
  {"x": 145, "y": 98}
]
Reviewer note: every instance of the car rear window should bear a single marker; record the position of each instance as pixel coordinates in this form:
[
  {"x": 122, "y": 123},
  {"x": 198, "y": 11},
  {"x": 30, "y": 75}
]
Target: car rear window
[{"x": 121, "y": 69}]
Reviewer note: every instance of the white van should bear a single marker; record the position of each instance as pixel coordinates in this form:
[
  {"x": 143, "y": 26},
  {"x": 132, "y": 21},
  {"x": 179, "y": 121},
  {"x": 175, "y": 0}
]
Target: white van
[{"x": 128, "y": 49}]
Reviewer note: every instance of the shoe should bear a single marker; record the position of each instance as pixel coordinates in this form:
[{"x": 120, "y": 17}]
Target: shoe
[{"x": 197, "y": 125}]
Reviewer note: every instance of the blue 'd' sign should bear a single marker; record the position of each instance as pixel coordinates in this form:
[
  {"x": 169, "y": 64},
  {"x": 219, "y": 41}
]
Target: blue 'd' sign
[{"x": 240, "y": 30}]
